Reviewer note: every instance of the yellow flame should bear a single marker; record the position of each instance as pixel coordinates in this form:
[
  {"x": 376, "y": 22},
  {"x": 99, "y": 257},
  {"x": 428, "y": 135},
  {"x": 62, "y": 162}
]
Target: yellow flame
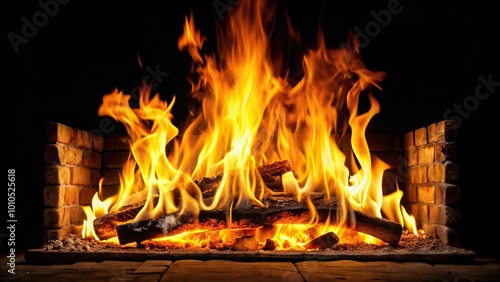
[{"x": 248, "y": 116}]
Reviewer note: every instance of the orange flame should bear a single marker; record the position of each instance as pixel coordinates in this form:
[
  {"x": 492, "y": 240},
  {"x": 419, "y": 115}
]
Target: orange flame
[{"x": 250, "y": 116}]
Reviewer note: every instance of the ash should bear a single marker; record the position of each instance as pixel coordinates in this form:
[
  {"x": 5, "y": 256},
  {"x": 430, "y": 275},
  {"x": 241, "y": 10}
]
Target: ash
[{"x": 409, "y": 243}]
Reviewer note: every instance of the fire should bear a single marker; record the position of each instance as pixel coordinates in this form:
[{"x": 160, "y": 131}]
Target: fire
[{"x": 249, "y": 116}]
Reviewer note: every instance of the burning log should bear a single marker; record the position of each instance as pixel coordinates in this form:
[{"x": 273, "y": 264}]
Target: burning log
[
  {"x": 105, "y": 226},
  {"x": 277, "y": 211},
  {"x": 324, "y": 241}
]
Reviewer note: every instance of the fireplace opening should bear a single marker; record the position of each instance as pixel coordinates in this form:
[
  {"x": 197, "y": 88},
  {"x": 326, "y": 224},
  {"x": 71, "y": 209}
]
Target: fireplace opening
[{"x": 419, "y": 168}]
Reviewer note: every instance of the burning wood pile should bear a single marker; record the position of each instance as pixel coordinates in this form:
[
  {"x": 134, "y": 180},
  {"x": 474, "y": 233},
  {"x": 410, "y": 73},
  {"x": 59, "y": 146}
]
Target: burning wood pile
[
  {"x": 280, "y": 207},
  {"x": 259, "y": 163}
]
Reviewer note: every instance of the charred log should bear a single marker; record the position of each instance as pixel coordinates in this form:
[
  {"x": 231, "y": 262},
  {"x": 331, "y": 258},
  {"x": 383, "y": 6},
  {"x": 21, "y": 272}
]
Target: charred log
[
  {"x": 324, "y": 241},
  {"x": 105, "y": 226},
  {"x": 277, "y": 211}
]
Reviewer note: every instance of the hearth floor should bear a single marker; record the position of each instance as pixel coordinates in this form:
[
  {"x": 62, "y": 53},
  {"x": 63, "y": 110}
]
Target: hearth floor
[{"x": 479, "y": 269}]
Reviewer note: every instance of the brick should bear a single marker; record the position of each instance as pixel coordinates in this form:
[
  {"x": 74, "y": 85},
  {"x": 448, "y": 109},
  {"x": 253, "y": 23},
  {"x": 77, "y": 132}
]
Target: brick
[
  {"x": 436, "y": 173},
  {"x": 83, "y": 139},
  {"x": 80, "y": 176},
  {"x": 53, "y": 196},
  {"x": 59, "y": 133},
  {"x": 55, "y": 217},
  {"x": 115, "y": 159},
  {"x": 408, "y": 140},
  {"x": 448, "y": 129},
  {"x": 95, "y": 177},
  {"x": 77, "y": 215},
  {"x": 421, "y": 137},
  {"x": 445, "y": 130},
  {"x": 423, "y": 213},
  {"x": 111, "y": 176},
  {"x": 71, "y": 195},
  {"x": 97, "y": 143},
  {"x": 447, "y": 194},
  {"x": 425, "y": 155},
  {"x": 117, "y": 143},
  {"x": 410, "y": 194},
  {"x": 91, "y": 159},
  {"x": 449, "y": 236},
  {"x": 418, "y": 174},
  {"x": 452, "y": 172},
  {"x": 412, "y": 157},
  {"x": 446, "y": 151},
  {"x": 429, "y": 229},
  {"x": 57, "y": 175},
  {"x": 85, "y": 195},
  {"x": 414, "y": 209},
  {"x": 426, "y": 194},
  {"x": 444, "y": 215},
  {"x": 56, "y": 234},
  {"x": 62, "y": 154},
  {"x": 109, "y": 191}
]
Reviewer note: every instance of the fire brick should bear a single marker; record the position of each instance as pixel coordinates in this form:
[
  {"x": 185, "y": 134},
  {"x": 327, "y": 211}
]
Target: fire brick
[
  {"x": 71, "y": 195},
  {"x": 111, "y": 176},
  {"x": 80, "y": 176},
  {"x": 95, "y": 177},
  {"x": 62, "y": 155},
  {"x": 426, "y": 194},
  {"x": 423, "y": 213},
  {"x": 446, "y": 151},
  {"x": 83, "y": 139},
  {"x": 447, "y": 194},
  {"x": 57, "y": 175},
  {"x": 410, "y": 195},
  {"x": 436, "y": 173},
  {"x": 421, "y": 137},
  {"x": 77, "y": 215},
  {"x": 429, "y": 229},
  {"x": 57, "y": 234},
  {"x": 91, "y": 159},
  {"x": 97, "y": 143},
  {"x": 408, "y": 140},
  {"x": 86, "y": 194},
  {"x": 442, "y": 131},
  {"x": 444, "y": 215},
  {"x": 425, "y": 155},
  {"x": 55, "y": 217},
  {"x": 418, "y": 174},
  {"x": 412, "y": 157},
  {"x": 59, "y": 133},
  {"x": 53, "y": 196},
  {"x": 115, "y": 159},
  {"x": 448, "y": 236},
  {"x": 117, "y": 143}
]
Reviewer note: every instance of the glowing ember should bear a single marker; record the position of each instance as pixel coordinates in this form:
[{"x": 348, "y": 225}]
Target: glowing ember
[{"x": 249, "y": 116}]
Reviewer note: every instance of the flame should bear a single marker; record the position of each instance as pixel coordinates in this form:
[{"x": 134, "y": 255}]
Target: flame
[
  {"x": 97, "y": 209},
  {"x": 249, "y": 114}
]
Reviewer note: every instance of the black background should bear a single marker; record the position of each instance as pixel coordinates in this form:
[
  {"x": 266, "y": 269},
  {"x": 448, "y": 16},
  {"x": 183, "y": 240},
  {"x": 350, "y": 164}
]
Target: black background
[{"x": 433, "y": 55}]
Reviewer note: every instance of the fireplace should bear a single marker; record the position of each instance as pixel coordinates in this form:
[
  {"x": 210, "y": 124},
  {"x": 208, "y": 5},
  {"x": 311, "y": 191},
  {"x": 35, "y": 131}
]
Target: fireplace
[
  {"x": 425, "y": 158},
  {"x": 76, "y": 160}
]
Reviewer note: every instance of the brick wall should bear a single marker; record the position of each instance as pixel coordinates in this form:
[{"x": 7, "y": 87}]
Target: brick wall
[
  {"x": 72, "y": 173},
  {"x": 432, "y": 194}
]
